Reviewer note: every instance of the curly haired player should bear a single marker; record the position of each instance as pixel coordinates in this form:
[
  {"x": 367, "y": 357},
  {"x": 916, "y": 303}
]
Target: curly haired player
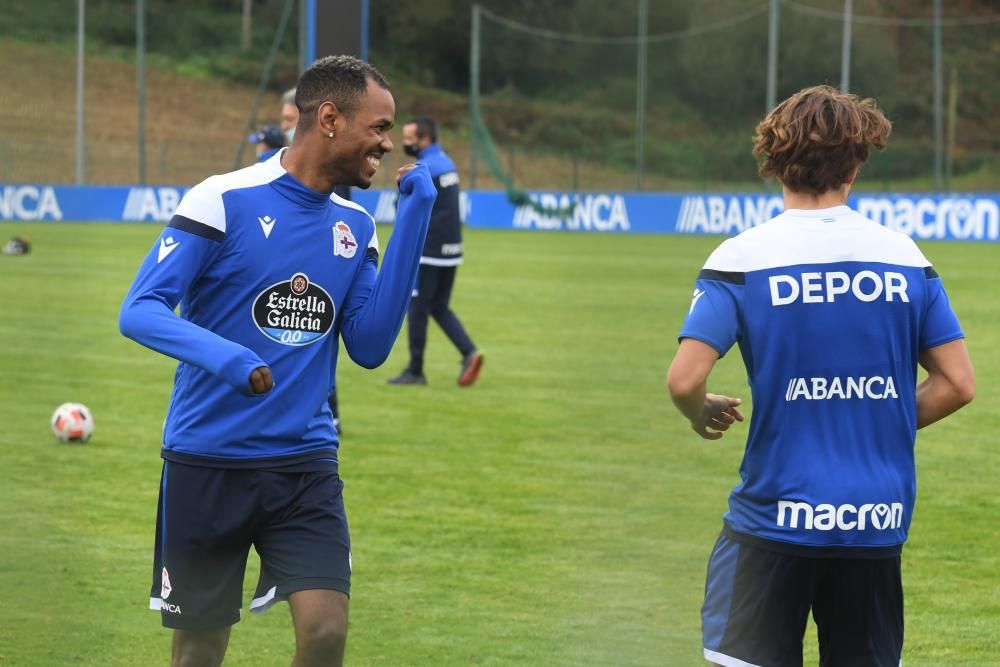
[{"x": 832, "y": 314}]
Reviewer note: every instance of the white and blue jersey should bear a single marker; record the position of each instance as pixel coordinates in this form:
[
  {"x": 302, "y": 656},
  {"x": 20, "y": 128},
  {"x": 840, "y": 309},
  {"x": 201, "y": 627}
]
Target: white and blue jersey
[
  {"x": 830, "y": 311},
  {"x": 268, "y": 272}
]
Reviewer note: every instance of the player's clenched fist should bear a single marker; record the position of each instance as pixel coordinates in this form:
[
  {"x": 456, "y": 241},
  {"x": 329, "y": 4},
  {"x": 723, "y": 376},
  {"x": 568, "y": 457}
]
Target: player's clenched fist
[
  {"x": 415, "y": 180},
  {"x": 260, "y": 380}
]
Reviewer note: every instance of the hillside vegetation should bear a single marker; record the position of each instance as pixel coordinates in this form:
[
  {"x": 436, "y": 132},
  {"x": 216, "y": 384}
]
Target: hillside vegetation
[{"x": 562, "y": 112}]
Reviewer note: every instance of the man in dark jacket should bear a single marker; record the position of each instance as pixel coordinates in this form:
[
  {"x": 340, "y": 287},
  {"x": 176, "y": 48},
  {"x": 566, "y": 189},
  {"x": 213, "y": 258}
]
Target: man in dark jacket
[{"x": 439, "y": 262}]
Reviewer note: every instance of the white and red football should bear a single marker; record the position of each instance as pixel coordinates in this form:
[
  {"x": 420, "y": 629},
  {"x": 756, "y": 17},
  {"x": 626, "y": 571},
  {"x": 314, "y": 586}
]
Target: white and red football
[{"x": 72, "y": 422}]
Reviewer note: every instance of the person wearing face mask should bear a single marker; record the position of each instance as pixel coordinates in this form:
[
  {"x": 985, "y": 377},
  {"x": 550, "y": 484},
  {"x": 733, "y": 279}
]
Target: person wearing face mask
[
  {"x": 289, "y": 119},
  {"x": 439, "y": 262}
]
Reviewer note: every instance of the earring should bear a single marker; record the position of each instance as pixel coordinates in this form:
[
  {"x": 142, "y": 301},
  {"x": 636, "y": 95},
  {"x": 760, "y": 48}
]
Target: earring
[{"x": 331, "y": 135}]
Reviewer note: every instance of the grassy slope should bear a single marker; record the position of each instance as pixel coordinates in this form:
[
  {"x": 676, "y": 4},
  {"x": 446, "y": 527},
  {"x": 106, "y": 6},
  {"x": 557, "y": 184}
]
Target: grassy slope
[
  {"x": 195, "y": 125},
  {"x": 558, "y": 513}
]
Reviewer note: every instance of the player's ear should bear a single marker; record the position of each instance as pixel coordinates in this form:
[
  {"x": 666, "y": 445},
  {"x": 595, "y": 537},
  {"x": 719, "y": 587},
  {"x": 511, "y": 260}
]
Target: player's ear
[
  {"x": 327, "y": 117},
  {"x": 854, "y": 176}
]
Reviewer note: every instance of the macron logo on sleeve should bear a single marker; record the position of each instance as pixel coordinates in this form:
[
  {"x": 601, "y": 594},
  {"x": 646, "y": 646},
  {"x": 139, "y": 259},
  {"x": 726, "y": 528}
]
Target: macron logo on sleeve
[
  {"x": 167, "y": 246},
  {"x": 698, "y": 293}
]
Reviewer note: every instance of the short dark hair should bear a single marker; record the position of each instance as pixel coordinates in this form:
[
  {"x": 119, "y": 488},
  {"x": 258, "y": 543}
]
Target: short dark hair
[
  {"x": 426, "y": 127},
  {"x": 813, "y": 141},
  {"x": 338, "y": 79}
]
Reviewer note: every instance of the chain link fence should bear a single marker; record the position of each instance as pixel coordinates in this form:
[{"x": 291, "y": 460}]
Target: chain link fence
[
  {"x": 556, "y": 94},
  {"x": 593, "y": 113},
  {"x": 198, "y": 92}
]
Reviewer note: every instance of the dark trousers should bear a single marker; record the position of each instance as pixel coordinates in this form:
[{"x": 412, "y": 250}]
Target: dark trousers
[{"x": 434, "y": 284}]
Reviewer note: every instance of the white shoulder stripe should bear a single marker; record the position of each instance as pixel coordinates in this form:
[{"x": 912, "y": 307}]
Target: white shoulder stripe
[
  {"x": 347, "y": 203},
  {"x": 203, "y": 202},
  {"x": 791, "y": 239}
]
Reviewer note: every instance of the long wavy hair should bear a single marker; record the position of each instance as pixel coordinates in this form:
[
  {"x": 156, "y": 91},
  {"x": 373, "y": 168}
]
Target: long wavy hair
[{"x": 813, "y": 141}]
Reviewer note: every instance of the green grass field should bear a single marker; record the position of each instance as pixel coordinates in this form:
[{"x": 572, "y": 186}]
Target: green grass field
[{"x": 558, "y": 513}]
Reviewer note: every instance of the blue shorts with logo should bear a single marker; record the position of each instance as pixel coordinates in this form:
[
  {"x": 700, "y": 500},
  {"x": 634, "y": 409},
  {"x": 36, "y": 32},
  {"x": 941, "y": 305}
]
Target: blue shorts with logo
[
  {"x": 758, "y": 596},
  {"x": 207, "y": 520}
]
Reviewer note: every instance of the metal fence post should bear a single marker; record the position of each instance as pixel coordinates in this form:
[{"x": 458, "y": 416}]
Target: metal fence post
[
  {"x": 81, "y": 176},
  {"x": 140, "y": 70}
]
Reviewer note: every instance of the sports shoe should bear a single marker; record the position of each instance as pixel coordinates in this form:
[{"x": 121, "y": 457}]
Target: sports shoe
[
  {"x": 471, "y": 365},
  {"x": 408, "y": 377}
]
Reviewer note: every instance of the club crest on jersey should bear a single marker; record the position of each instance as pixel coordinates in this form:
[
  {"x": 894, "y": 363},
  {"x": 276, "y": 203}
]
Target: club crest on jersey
[
  {"x": 294, "y": 312},
  {"x": 344, "y": 243}
]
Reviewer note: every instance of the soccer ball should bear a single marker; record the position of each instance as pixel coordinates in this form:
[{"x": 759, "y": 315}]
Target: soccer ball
[{"x": 71, "y": 422}]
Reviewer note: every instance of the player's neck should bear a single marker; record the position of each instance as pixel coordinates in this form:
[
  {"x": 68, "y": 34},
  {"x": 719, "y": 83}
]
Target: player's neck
[
  {"x": 307, "y": 169},
  {"x": 805, "y": 201}
]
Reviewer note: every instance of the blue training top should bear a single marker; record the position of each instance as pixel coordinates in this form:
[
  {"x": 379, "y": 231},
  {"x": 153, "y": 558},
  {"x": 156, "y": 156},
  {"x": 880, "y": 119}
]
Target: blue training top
[
  {"x": 268, "y": 272},
  {"x": 830, "y": 311}
]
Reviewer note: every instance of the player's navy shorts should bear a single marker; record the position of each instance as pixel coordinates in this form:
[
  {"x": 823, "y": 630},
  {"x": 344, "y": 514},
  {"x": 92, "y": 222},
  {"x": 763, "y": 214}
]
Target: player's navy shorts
[
  {"x": 757, "y": 602},
  {"x": 209, "y": 517}
]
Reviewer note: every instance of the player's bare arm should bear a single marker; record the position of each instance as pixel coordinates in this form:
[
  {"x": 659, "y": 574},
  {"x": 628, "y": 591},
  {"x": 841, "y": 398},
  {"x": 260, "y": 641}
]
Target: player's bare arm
[
  {"x": 710, "y": 414},
  {"x": 950, "y": 382}
]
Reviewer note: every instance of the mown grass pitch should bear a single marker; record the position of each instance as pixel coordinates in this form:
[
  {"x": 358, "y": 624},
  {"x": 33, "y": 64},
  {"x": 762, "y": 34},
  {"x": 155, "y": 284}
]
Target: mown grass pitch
[{"x": 557, "y": 513}]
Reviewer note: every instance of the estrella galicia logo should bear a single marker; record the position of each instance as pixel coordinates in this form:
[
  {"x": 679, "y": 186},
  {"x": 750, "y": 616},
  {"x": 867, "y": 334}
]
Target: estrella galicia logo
[{"x": 294, "y": 312}]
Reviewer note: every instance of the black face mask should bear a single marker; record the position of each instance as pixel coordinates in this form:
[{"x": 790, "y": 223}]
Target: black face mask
[{"x": 413, "y": 150}]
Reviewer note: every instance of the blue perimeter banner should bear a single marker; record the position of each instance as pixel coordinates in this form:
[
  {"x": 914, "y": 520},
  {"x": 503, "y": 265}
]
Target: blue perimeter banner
[{"x": 965, "y": 217}]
